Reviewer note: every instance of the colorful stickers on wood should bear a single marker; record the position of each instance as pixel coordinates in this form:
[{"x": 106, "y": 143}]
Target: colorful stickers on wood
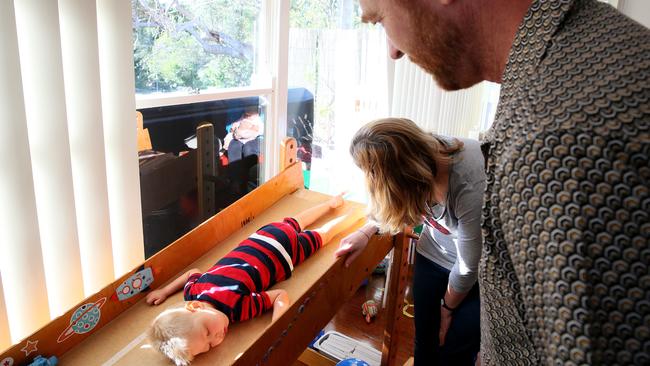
[
  {"x": 133, "y": 285},
  {"x": 30, "y": 347},
  {"x": 83, "y": 320}
]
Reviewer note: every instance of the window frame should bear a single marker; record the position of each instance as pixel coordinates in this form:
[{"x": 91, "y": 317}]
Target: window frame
[{"x": 271, "y": 66}]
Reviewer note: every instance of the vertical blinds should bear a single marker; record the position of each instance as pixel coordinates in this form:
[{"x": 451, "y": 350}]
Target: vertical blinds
[
  {"x": 70, "y": 218},
  {"x": 417, "y": 97}
]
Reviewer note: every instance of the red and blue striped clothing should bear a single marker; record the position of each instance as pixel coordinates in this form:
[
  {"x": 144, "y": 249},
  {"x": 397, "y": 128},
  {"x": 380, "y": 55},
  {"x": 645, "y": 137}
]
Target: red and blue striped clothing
[{"x": 236, "y": 284}]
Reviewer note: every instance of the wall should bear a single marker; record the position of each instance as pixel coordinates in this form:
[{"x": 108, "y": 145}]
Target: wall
[{"x": 638, "y": 10}]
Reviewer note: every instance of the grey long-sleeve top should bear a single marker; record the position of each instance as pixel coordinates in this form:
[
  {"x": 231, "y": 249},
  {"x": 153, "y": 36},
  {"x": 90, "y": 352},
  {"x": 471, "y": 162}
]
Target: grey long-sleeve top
[{"x": 453, "y": 237}]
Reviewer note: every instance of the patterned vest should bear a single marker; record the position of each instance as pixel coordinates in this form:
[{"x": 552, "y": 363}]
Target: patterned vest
[{"x": 564, "y": 274}]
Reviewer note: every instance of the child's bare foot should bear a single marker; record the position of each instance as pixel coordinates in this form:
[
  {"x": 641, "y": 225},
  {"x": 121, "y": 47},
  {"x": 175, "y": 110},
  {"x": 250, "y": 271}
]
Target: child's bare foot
[{"x": 337, "y": 201}]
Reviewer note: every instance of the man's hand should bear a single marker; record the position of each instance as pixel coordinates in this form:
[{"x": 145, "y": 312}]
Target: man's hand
[
  {"x": 156, "y": 297},
  {"x": 445, "y": 322},
  {"x": 352, "y": 245}
]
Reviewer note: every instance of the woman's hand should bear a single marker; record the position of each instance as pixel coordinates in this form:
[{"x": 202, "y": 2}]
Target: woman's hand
[
  {"x": 445, "y": 322},
  {"x": 453, "y": 300},
  {"x": 156, "y": 297},
  {"x": 352, "y": 245}
]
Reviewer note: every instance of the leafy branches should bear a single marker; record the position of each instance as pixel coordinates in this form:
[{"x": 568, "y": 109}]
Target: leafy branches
[{"x": 193, "y": 44}]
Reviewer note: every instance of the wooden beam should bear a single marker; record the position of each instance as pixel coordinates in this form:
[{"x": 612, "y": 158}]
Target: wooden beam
[
  {"x": 288, "y": 152},
  {"x": 206, "y": 168},
  {"x": 144, "y": 140},
  {"x": 396, "y": 288}
]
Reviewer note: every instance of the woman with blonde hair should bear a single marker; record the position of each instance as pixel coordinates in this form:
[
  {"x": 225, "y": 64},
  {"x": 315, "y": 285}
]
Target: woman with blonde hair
[{"x": 414, "y": 177}]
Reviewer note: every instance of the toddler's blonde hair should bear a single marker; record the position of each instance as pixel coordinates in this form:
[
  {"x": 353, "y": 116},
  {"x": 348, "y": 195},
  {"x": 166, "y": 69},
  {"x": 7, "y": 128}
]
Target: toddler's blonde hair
[{"x": 168, "y": 334}]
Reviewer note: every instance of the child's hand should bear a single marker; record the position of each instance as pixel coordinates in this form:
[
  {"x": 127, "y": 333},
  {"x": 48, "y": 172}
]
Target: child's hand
[
  {"x": 156, "y": 297},
  {"x": 337, "y": 201}
]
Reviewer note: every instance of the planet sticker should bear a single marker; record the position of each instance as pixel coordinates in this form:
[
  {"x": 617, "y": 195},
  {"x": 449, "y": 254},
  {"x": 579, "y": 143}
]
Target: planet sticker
[
  {"x": 7, "y": 362},
  {"x": 83, "y": 320}
]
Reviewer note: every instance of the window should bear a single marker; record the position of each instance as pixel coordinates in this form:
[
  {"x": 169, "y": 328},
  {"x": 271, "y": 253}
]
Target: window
[
  {"x": 176, "y": 196},
  {"x": 194, "y": 46},
  {"x": 343, "y": 63},
  {"x": 200, "y": 62}
]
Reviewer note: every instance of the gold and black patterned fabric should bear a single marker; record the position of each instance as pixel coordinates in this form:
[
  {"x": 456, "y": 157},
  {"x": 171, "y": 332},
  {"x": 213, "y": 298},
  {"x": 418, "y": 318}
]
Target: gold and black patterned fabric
[{"x": 564, "y": 274}]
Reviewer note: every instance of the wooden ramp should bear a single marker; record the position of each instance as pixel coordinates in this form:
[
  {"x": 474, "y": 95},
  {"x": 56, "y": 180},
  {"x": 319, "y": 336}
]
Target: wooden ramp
[{"x": 317, "y": 289}]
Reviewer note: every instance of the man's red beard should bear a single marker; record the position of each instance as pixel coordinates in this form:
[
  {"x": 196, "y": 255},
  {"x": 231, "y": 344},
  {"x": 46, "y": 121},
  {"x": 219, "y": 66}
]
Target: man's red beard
[{"x": 436, "y": 47}]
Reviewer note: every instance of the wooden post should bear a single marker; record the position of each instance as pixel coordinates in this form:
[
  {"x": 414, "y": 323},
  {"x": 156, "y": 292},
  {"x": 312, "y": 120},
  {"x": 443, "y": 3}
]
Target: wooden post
[
  {"x": 205, "y": 169},
  {"x": 288, "y": 152},
  {"x": 144, "y": 140},
  {"x": 396, "y": 289}
]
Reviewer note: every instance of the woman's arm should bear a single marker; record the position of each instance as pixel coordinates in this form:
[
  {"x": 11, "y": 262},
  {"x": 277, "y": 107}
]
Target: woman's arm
[
  {"x": 158, "y": 296},
  {"x": 469, "y": 245},
  {"x": 353, "y": 244}
]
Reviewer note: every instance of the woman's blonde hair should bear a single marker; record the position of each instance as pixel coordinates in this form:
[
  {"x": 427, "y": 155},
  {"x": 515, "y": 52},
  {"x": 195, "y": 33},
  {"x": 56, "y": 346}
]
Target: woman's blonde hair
[
  {"x": 168, "y": 334},
  {"x": 400, "y": 162}
]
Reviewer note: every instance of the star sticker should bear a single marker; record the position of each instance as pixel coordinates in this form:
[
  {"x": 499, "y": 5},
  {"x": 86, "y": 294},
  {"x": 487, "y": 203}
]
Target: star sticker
[{"x": 30, "y": 347}]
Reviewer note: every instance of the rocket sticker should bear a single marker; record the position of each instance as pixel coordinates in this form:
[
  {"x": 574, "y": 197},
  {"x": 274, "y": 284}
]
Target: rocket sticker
[{"x": 135, "y": 284}]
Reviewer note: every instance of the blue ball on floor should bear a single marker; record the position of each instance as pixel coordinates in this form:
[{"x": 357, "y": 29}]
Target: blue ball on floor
[{"x": 352, "y": 362}]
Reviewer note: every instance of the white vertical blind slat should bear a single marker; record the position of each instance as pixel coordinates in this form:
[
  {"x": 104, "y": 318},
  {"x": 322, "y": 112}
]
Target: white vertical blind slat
[
  {"x": 5, "y": 336},
  {"x": 411, "y": 97},
  {"x": 403, "y": 97},
  {"x": 21, "y": 263},
  {"x": 83, "y": 100},
  {"x": 396, "y": 101},
  {"x": 417, "y": 96},
  {"x": 434, "y": 106},
  {"x": 118, "y": 108},
  {"x": 426, "y": 102},
  {"x": 20, "y": 247},
  {"x": 420, "y": 101},
  {"x": 443, "y": 114},
  {"x": 40, "y": 58}
]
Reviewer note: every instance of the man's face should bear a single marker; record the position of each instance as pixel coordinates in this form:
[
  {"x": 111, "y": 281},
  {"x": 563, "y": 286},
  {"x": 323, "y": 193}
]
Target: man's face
[{"x": 412, "y": 28}]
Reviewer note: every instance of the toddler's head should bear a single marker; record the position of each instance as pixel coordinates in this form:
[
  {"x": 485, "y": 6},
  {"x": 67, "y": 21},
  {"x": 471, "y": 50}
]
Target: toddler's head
[{"x": 182, "y": 333}]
